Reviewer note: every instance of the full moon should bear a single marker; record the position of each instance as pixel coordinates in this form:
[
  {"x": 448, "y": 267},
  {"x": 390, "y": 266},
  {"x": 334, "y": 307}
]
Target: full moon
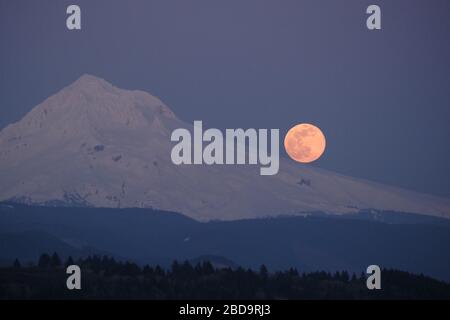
[{"x": 304, "y": 143}]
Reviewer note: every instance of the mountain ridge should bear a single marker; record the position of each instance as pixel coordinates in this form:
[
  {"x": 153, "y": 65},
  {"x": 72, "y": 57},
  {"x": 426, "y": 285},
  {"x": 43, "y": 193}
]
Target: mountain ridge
[
  {"x": 315, "y": 242},
  {"x": 98, "y": 145}
]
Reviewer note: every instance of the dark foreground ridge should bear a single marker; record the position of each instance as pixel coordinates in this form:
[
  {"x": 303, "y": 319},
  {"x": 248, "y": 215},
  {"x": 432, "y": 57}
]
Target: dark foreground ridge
[
  {"x": 398, "y": 241},
  {"x": 106, "y": 278}
]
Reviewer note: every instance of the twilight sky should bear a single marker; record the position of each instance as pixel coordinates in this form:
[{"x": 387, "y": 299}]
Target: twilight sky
[{"x": 382, "y": 98}]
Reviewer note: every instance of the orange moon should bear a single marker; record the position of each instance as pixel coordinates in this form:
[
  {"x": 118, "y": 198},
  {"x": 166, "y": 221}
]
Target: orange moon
[{"x": 304, "y": 143}]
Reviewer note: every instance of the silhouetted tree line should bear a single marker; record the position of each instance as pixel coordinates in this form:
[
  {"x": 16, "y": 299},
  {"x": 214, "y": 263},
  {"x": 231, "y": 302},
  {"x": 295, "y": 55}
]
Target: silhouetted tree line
[{"x": 104, "y": 277}]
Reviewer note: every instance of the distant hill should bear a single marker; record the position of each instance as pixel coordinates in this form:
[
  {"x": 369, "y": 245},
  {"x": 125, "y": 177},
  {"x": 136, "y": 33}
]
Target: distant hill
[
  {"x": 307, "y": 243},
  {"x": 28, "y": 245},
  {"x": 217, "y": 262}
]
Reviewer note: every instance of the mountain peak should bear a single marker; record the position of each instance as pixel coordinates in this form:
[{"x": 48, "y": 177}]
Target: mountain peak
[
  {"x": 89, "y": 77},
  {"x": 95, "y": 144},
  {"x": 90, "y": 83},
  {"x": 91, "y": 105}
]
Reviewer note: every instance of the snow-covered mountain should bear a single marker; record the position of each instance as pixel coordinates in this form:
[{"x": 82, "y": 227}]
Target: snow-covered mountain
[{"x": 98, "y": 145}]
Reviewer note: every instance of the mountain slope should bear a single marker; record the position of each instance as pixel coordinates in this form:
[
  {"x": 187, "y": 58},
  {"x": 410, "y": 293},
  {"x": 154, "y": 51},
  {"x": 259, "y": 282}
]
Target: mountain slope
[{"x": 93, "y": 144}]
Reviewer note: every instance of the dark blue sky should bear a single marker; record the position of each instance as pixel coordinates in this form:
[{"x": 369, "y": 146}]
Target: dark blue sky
[{"x": 381, "y": 97}]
